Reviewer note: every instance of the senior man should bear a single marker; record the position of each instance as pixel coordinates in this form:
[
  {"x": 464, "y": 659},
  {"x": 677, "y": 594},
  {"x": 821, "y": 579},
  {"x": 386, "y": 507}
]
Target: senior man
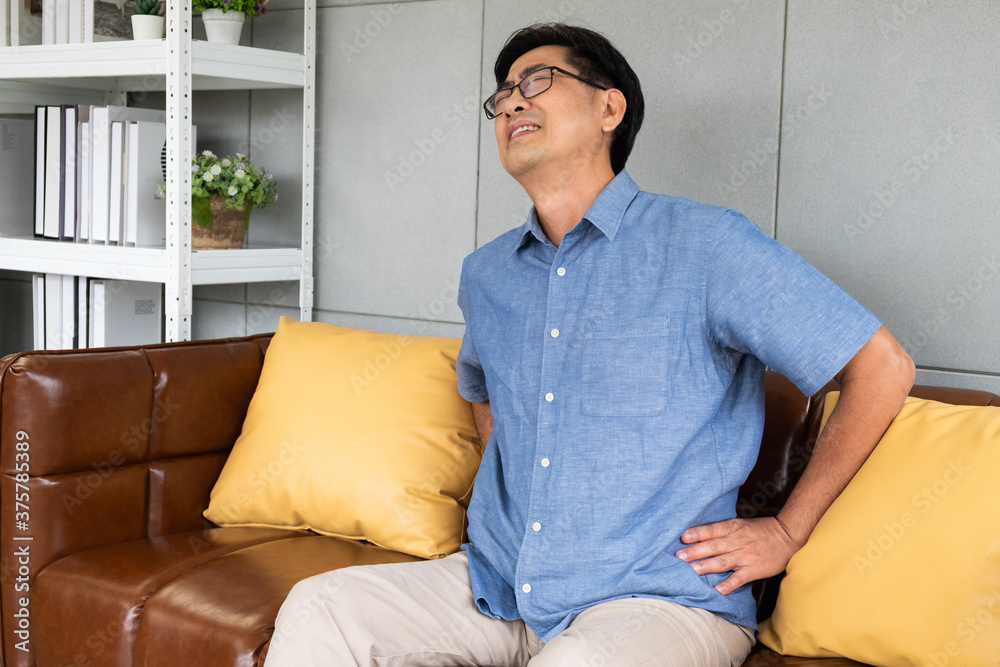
[{"x": 614, "y": 354}]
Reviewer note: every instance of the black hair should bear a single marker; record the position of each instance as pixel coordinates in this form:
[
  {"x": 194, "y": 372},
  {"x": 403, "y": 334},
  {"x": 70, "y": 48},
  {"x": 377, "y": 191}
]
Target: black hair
[{"x": 597, "y": 59}]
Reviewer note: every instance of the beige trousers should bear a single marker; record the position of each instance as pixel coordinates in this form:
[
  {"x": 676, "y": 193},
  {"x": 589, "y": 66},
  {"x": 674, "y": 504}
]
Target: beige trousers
[{"x": 422, "y": 614}]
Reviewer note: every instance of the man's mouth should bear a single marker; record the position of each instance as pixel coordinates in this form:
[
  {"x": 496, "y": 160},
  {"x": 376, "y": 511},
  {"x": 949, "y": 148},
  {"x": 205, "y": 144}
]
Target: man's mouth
[{"x": 524, "y": 128}]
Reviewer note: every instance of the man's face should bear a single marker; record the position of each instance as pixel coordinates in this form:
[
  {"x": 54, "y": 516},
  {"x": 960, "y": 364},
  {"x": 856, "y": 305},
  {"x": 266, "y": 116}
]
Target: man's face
[{"x": 561, "y": 126}]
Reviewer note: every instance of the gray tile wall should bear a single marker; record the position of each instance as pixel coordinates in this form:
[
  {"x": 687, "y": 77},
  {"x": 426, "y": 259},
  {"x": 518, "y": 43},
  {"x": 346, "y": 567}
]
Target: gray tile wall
[
  {"x": 863, "y": 135},
  {"x": 890, "y": 184}
]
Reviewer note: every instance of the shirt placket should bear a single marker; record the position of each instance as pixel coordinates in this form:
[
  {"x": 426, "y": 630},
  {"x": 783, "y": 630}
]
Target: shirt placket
[{"x": 544, "y": 461}]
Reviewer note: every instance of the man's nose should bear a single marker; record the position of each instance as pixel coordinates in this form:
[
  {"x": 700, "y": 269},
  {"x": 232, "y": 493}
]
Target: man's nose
[{"x": 513, "y": 107}]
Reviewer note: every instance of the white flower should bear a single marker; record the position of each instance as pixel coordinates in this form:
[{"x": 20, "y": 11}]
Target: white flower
[
  {"x": 226, "y": 162},
  {"x": 232, "y": 190},
  {"x": 207, "y": 177},
  {"x": 216, "y": 170},
  {"x": 240, "y": 173},
  {"x": 195, "y": 168},
  {"x": 241, "y": 156},
  {"x": 208, "y": 153}
]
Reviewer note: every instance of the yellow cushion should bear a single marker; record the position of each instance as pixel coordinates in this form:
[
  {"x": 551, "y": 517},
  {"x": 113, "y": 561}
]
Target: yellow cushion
[
  {"x": 904, "y": 568},
  {"x": 356, "y": 434}
]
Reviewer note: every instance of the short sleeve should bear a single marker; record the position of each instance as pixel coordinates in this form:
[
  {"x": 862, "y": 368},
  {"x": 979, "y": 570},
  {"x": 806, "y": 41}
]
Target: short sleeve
[
  {"x": 765, "y": 300},
  {"x": 471, "y": 379}
]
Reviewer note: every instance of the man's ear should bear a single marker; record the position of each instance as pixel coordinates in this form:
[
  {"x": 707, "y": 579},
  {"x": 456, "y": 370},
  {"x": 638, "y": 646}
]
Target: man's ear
[{"x": 614, "y": 109}]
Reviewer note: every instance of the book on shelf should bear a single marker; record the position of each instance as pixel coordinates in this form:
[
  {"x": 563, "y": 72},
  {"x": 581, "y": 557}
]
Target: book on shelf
[
  {"x": 83, "y": 182},
  {"x": 55, "y": 150},
  {"x": 60, "y": 311},
  {"x": 40, "y": 126},
  {"x": 145, "y": 217},
  {"x": 115, "y": 182},
  {"x": 62, "y": 20},
  {"x": 38, "y": 309},
  {"x": 82, "y": 312},
  {"x": 76, "y": 312},
  {"x": 104, "y": 188},
  {"x": 67, "y": 321},
  {"x": 75, "y": 21},
  {"x": 24, "y": 22},
  {"x": 97, "y": 169},
  {"x": 125, "y": 313},
  {"x": 5, "y": 22},
  {"x": 100, "y": 157},
  {"x": 17, "y": 149},
  {"x": 48, "y": 21},
  {"x": 95, "y": 312},
  {"x": 76, "y": 13},
  {"x": 87, "y": 29},
  {"x": 67, "y": 216},
  {"x": 52, "y": 301}
]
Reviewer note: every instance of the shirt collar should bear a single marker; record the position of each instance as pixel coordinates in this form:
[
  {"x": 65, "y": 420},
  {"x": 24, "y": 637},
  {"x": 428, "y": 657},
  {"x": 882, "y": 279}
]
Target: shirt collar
[{"x": 605, "y": 213}]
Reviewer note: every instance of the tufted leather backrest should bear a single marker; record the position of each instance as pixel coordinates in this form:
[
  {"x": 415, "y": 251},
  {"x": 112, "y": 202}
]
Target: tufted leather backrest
[{"x": 106, "y": 446}]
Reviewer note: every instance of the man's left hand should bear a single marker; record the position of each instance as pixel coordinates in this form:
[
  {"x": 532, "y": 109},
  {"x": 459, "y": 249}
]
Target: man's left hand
[{"x": 751, "y": 548}]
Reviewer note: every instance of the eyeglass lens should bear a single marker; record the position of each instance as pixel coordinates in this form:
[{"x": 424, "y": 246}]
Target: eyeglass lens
[{"x": 531, "y": 85}]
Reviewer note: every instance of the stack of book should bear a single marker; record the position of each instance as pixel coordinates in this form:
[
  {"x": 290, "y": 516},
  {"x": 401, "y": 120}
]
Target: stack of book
[
  {"x": 76, "y": 312},
  {"x": 64, "y": 21},
  {"x": 96, "y": 174}
]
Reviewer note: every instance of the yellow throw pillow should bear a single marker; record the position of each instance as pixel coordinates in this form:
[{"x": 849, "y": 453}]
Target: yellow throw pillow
[
  {"x": 356, "y": 434},
  {"x": 904, "y": 568}
]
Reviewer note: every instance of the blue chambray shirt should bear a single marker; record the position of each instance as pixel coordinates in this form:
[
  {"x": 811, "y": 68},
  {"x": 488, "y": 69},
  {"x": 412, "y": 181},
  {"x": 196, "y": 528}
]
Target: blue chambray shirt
[{"x": 625, "y": 375}]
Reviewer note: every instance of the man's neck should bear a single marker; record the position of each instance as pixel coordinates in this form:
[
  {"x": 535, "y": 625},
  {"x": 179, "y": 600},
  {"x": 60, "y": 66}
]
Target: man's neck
[{"x": 562, "y": 198}]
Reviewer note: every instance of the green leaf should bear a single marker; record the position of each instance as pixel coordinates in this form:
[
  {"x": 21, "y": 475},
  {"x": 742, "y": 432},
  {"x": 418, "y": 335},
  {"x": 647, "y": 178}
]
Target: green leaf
[{"x": 201, "y": 211}]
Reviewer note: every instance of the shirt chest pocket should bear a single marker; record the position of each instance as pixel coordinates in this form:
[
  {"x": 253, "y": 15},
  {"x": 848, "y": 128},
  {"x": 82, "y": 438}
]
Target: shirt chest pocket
[{"x": 624, "y": 371}]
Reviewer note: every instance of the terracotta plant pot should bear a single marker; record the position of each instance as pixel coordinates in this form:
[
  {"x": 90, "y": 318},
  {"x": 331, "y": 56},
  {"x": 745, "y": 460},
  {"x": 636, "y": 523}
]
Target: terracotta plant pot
[{"x": 228, "y": 227}]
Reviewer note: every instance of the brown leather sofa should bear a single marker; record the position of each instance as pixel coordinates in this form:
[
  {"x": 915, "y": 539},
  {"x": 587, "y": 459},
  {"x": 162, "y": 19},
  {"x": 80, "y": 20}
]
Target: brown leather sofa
[{"x": 108, "y": 457}]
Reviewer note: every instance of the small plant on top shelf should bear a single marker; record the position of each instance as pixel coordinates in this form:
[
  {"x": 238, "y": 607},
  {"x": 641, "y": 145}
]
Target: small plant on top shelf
[
  {"x": 147, "y": 19},
  {"x": 148, "y": 7},
  {"x": 248, "y": 7}
]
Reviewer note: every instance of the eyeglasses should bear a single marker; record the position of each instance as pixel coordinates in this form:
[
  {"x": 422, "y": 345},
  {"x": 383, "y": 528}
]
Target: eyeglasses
[{"x": 530, "y": 86}]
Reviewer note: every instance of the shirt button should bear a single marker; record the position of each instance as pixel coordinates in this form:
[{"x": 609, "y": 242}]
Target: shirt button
[
  {"x": 545, "y": 463},
  {"x": 561, "y": 271},
  {"x": 555, "y": 333},
  {"x": 526, "y": 588},
  {"x": 536, "y": 526},
  {"x": 550, "y": 397}
]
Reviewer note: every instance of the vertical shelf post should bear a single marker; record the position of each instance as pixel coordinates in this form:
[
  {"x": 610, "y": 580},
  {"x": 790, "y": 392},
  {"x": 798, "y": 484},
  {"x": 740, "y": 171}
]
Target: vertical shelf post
[
  {"x": 178, "y": 290},
  {"x": 308, "y": 157}
]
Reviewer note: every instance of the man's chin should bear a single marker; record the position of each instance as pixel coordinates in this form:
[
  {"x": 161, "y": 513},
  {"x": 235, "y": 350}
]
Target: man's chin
[{"x": 522, "y": 164}]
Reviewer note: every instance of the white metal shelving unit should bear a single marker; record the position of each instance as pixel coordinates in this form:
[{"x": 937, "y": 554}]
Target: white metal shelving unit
[{"x": 102, "y": 73}]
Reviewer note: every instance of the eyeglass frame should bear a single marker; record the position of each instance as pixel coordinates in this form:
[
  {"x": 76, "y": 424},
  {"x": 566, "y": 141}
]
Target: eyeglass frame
[{"x": 553, "y": 69}]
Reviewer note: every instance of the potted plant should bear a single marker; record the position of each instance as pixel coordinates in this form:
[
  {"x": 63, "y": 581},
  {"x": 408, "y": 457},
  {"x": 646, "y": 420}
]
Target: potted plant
[
  {"x": 223, "y": 19},
  {"x": 224, "y": 191},
  {"x": 147, "y": 19}
]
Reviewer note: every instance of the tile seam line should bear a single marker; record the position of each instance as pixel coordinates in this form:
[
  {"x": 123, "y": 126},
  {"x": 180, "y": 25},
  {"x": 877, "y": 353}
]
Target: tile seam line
[{"x": 781, "y": 116}]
